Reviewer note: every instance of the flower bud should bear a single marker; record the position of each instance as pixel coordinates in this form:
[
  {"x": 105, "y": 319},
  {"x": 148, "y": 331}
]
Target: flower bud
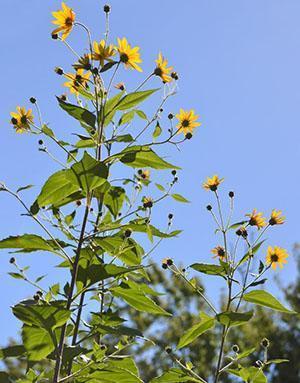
[
  {"x": 54, "y": 36},
  {"x": 170, "y": 216},
  {"x": 231, "y": 194},
  {"x": 32, "y": 100},
  {"x": 59, "y": 71},
  {"x": 36, "y": 297},
  {"x": 106, "y": 8},
  {"x": 168, "y": 350},
  {"x": 209, "y": 207},
  {"x": 170, "y": 116},
  {"x": 265, "y": 343},
  {"x": 14, "y": 121},
  {"x": 12, "y": 260},
  {"x": 235, "y": 348},
  {"x": 188, "y": 136},
  {"x": 175, "y": 76},
  {"x": 40, "y": 142},
  {"x": 127, "y": 233}
]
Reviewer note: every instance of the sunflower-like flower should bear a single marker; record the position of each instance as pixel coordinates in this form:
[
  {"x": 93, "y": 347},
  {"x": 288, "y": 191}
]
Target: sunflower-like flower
[
  {"x": 212, "y": 183},
  {"x": 144, "y": 174},
  {"x": 162, "y": 70},
  {"x": 22, "y": 119},
  {"x": 102, "y": 52},
  {"x": 65, "y": 19},
  {"x": 147, "y": 202},
  {"x": 130, "y": 57},
  {"x": 219, "y": 251},
  {"x": 83, "y": 63},
  {"x": 77, "y": 80},
  {"x": 187, "y": 121},
  {"x": 256, "y": 219},
  {"x": 276, "y": 218},
  {"x": 276, "y": 256}
]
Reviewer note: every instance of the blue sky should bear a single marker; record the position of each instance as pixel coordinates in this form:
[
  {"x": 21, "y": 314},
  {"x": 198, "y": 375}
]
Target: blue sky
[{"x": 238, "y": 63}]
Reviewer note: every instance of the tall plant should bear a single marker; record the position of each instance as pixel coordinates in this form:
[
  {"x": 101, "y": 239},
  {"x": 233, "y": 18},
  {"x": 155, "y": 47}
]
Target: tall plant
[{"x": 93, "y": 211}]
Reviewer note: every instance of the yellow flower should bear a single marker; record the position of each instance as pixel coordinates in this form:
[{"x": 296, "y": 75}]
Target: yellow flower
[
  {"x": 212, "y": 183},
  {"x": 276, "y": 218},
  {"x": 22, "y": 119},
  {"x": 103, "y": 52},
  {"x": 65, "y": 19},
  {"x": 147, "y": 202},
  {"x": 276, "y": 255},
  {"x": 144, "y": 174},
  {"x": 161, "y": 69},
  {"x": 187, "y": 121},
  {"x": 219, "y": 251},
  {"x": 130, "y": 57},
  {"x": 256, "y": 219},
  {"x": 77, "y": 80}
]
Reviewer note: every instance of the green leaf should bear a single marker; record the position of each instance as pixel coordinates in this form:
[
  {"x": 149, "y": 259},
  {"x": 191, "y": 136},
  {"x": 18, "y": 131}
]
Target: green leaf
[
  {"x": 12, "y": 351},
  {"x": 141, "y": 156},
  {"x": 230, "y": 318},
  {"x": 114, "y": 199},
  {"x": 237, "y": 224},
  {"x": 137, "y": 299},
  {"x": 157, "y": 131},
  {"x": 56, "y": 188},
  {"x": 24, "y": 188},
  {"x": 129, "y": 252},
  {"x": 174, "y": 375},
  {"x": 126, "y": 118},
  {"x": 195, "y": 331},
  {"x": 30, "y": 242},
  {"x": 84, "y": 116},
  {"x": 16, "y": 275},
  {"x": 249, "y": 374},
  {"x": 88, "y": 173},
  {"x": 246, "y": 353},
  {"x": 250, "y": 252},
  {"x": 141, "y": 114},
  {"x": 209, "y": 269},
  {"x": 120, "y": 370},
  {"x": 179, "y": 198},
  {"x": 132, "y": 99},
  {"x": 277, "y": 361},
  {"x": 47, "y": 131},
  {"x": 160, "y": 187},
  {"x": 108, "y": 65},
  {"x": 263, "y": 298},
  {"x": 38, "y": 342},
  {"x": 44, "y": 316}
]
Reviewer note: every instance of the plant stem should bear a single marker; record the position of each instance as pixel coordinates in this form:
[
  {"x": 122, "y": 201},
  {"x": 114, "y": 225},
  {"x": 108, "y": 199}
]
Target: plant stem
[{"x": 70, "y": 294}]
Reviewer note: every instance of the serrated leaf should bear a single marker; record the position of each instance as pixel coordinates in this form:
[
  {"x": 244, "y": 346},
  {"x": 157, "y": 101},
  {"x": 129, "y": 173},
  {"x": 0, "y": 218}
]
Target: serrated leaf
[
  {"x": 140, "y": 157},
  {"x": 137, "y": 299},
  {"x": 56, "y": 188},
  {"x": 132, "y": 99},
  {"x": 209, "y": 269},
  {"x": 263, "y": 298},
  {"x": 230, "y": 318},
  {"x": 30, "y": 242},
  {"x": 195, "y": 331},
  {"x": 84, "y": 116}
]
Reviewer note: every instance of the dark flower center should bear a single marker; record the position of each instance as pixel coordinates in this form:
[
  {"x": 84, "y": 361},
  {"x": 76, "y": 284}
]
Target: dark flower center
[
  {"x": 274, "y": 258},
  {"x": 24, "y": 120},
  {"x": 158, "y": 71},
  {"x": 69, "y": 21},
  {"x": 124, "y": 58},
  {"x": 185, "y": 123}
]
